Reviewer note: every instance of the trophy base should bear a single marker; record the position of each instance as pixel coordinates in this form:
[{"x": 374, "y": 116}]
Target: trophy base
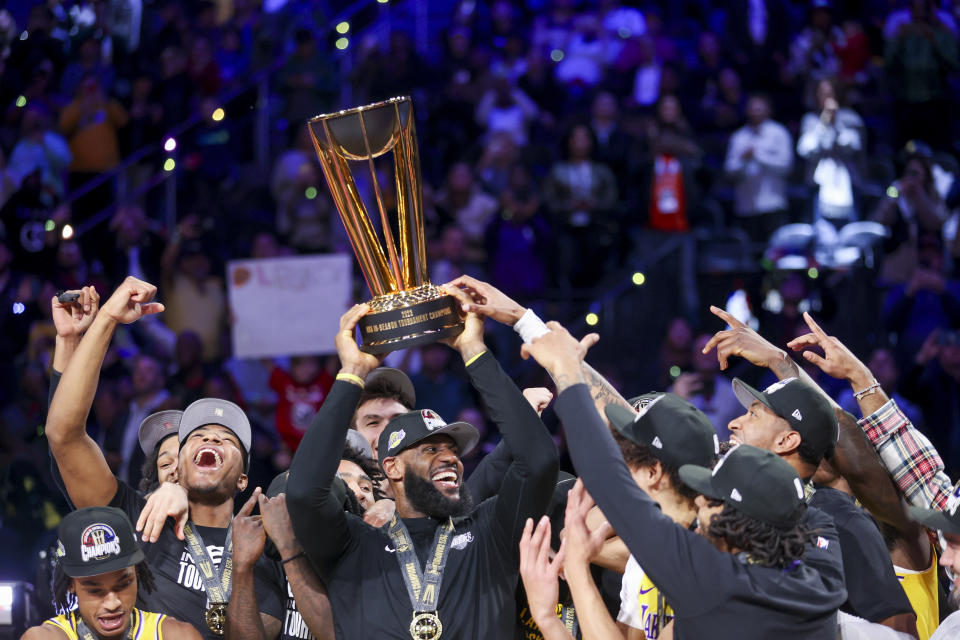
[{"x": 409, "y": 319}]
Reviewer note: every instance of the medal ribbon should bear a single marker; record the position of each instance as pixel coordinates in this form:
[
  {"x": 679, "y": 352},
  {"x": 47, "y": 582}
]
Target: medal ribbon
[
  {"x": 569, "y": 616},
  {"x": 84, "y": 633},
  {"x": 217, "y": 584},
  {"x": 423, "y": 585}
]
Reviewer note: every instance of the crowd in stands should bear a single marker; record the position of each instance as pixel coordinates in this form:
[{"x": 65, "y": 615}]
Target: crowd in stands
[{"x": 556, "y": 138}]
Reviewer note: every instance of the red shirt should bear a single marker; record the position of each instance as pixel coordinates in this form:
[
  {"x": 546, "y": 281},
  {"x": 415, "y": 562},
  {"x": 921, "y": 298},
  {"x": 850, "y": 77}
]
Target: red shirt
[{"x": 297, "y": 403}]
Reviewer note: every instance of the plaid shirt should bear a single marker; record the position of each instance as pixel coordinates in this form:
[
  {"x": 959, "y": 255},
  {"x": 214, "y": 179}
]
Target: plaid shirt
[{"x": 910, "y": 458}]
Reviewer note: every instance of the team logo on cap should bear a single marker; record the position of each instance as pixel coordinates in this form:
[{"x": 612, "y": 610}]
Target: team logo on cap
[
  {"x": 822, "y": 543},
  {"x": 431, "y": 420},
  {"x": 796, "y": 414},
  {"x": 645, "y": 406},
  {"x": 396, "y": 438},
  {"x": 735, "y": 495},
  {"x": 97, "y": 542},
  {"x": 60, "y": 552},
  {"x": 218, "y": 412},
  {"x": 657, "y": 443}
]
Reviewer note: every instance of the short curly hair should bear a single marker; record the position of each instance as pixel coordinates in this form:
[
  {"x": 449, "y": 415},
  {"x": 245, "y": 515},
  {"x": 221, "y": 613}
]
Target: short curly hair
[
  {"x": 767, "y": 545},
  {"x": 639, "y": 456}
]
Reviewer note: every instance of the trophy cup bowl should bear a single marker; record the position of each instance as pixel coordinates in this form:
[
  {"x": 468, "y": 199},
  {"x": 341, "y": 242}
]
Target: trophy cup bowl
[{"x": 406, "y": 309}]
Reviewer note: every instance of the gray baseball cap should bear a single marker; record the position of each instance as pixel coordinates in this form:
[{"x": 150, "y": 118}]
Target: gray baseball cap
[
  {"x": 156, "y": 427},
  {"x": 358, "y": 442},
  {"x": 216, "y": 411}
]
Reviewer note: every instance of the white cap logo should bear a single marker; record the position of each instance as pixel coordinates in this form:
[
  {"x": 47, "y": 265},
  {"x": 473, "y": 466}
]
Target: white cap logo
[
  {"x": 656, "y": 442},
  {"x": 643, "y": 410},
  {"x": 431, "y": 420},
  {"x": 218, "y": 413},
  {"x": 776, "y": 386},
  {"x": 799, "y": 487},
  {"x": 735, "y": 495},
  {"x": 716, "y": 445},
  {"x": 796, "y": 414}
]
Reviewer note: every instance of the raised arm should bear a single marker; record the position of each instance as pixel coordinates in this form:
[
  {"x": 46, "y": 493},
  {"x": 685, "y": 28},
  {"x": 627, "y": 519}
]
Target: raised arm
[
  {"x": 84, "y": 470},
  {"x": 318, "y": 519},
  {"x": 672, "y": 556},
  {"x": 528, "y": 483},
  {"x": 906, "y": 454}
]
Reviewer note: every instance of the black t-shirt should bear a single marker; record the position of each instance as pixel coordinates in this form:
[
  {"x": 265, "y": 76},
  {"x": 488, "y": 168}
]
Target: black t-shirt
[
  {"x": 874, "y": 593},
  {"x": 179, "y": 588},
  {"x": 358, "y": 563},
  {"x": 275, "y": 598}
]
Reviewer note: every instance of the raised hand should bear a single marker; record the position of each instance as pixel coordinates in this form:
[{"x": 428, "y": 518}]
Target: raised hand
[
  {"x": 248, "y": 534},
  {"x": 559, "y": 352},
  {"x": 468, "y": 342},
  {"x": 538, "y": 572},
  {"x": 538, "y": 397},
  {"x": 582, "y": 544},
  {"x": 72, "y": 319},
  {"x": 486, "y": 300},
  {"x": 740, "y": 340},
  {"x": 837, "y": 360},
  {"x": 380, "y": 513},
  {"x": 276, "y": 523},
  {"x": 352, "y": 359},
  {"x": 131, "y": 301},
  {"x": 168, "y": 501}
]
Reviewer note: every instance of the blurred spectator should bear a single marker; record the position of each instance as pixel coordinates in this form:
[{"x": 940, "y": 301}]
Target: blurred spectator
[
  {"x": 759, "y": 158},
  {"x": 676, "y": 156},
  {"x": 758, "y": 32},
  {"x": 190, "y": 372},
  {"x": 40, "y": 147},
  {"x": 910, "y": 208},
  {"x": 174, "y": 90},
  {"x": 8, "y": 182},
  {"x": 934, "y": 384},
  {"x": 195, "y": 298},
  {"x": 24, "y": 218},
  {"x": 813, "y": 53},
  {"x": 707, "y": 389},
  {"x": 585, "y": 56},
  {"x": 506, "y": 108},
  {"x": 614, "y": 146},
  {"x": 676, "y": 348},
  {"x": 581, "y": 195},
  {"x": 137, "y": 250},
  {"x": 552, "y": 29},
  {"x": 927, "y": 301},
  {"x": 519, "y": 240},
  {"x": 646, "y": 79},
  {"x": 88, "y": 63},
  {"x": 300, "y": 392},
  {"x": 146, "y": 114},
  {"x": 91, "y": 123},
  {"x": 149, "y": 396},
  {"x": 722, "y": 103},
  {"x": 448, "y": 255},
  {"x": 437, "y": 386},
  {"x": 832, "y": 144},
  {"x": 883, "y": 365},
  {"x": 919, "y": 55},
  {"x": 203, "y": 69},
  {"x": 500, "y": 155},
  {"x": 232, "y": 58},
  {"x": 469, "y": 207}
]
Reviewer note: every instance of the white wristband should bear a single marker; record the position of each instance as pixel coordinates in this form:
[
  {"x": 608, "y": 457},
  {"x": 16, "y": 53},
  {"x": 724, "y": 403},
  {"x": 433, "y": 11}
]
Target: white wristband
[{"x": 530, "y": 326}]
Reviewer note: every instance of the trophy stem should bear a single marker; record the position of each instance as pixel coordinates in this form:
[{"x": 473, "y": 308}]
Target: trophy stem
[{"x": 384, "y": 221}]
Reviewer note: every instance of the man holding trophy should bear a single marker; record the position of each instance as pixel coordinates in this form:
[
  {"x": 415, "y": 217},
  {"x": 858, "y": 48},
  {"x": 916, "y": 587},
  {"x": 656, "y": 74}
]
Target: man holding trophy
[{"x": 442, "y": 567}]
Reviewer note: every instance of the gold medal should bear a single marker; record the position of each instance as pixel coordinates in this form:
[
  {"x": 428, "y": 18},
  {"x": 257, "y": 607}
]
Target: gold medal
[
  {"x": 217, "y": 618},
  {"x": 426, "y": 626}
]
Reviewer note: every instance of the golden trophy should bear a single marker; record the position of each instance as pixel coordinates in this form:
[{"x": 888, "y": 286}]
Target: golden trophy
[{"x": 406, "y": 309}]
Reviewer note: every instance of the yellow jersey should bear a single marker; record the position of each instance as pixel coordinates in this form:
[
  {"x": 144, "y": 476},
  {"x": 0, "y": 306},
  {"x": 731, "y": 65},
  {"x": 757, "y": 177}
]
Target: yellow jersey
[
  {"x": 641, "y": 605},
  {"x": 921, "y": 590},
  {"x": 146, "y": 625}
]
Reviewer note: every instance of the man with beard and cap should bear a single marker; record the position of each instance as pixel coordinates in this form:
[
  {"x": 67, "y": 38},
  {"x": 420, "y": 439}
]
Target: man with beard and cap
[
  {"x": 441, "y": 565},
  {"x": 101, "y": 564},
  {"x": 189, "y": 560},
  {"x": 743, "y": 576},
  {"x": 947, "y": 524},
  {"x": 795, "y": 419}
]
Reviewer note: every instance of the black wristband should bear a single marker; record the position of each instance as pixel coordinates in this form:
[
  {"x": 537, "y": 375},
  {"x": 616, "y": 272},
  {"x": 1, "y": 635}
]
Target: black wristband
[{"x": 300, "y": 554}]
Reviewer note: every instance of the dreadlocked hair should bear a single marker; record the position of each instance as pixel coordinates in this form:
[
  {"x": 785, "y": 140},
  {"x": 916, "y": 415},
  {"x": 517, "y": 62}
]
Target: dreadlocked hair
[
  {"x": 639, "y": 456},
  {"x": 767, "y": 545},
  {"x": 61, "y": 583},
  {"x": 369, "y": 467}
]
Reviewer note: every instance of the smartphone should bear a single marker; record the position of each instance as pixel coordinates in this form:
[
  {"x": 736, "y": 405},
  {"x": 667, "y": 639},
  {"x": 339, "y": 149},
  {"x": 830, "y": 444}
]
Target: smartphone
[{"x": 66, "y": 297}]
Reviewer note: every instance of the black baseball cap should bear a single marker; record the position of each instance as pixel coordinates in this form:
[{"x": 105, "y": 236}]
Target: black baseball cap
[
  {"x": 675, "y": 431},
  {"x": 97, "y": 540},
  {"x": 756, "y": 482},
  {"x": 156, "y": 427},
  {"x": 392, "y": 378},
  {"x": 407, "y": 429},
  {"x": 803, "y": 407},
  {"x": 944, "y": 521}
]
